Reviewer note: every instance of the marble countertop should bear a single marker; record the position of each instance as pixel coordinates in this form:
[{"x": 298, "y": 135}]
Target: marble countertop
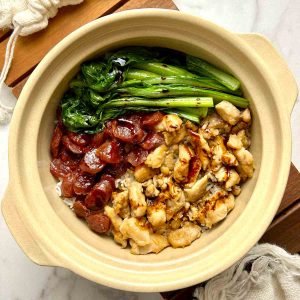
[{"x": 279, "y": 20}]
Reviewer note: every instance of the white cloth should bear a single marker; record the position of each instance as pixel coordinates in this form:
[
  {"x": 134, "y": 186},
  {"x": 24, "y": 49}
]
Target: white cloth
[
  {"x": 25, "y": 17},
  {"x": 267, "y": 272}
]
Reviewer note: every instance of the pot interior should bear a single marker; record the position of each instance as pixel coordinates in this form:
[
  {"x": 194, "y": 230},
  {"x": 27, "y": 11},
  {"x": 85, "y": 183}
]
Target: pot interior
[
  {"x": 68, "y": 235},
  {"x": 106, "y": 244}
]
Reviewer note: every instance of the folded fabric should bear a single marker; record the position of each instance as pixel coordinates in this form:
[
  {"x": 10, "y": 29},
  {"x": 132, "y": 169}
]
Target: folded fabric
[
  {"x": 267, "y": 272},
  {"x": 24, "y": 17}
]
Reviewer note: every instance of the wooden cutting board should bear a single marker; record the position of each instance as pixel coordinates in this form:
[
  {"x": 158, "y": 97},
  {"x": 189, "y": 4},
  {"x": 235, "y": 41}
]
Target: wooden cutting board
[{"x": 285, "y": 228}]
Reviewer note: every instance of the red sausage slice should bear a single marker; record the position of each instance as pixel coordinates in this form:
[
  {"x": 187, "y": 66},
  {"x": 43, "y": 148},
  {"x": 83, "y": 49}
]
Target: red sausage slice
[
  {"x": 91, "y": 163},
  {"x": 99, "y": 222},
  {"x": 137, "y": 156},
  {"x": 152, "y": 119},
  {"x": 152, "y": 141},
  {"x": 56, "y": 141},
  {"x": 110, "y": 152}
]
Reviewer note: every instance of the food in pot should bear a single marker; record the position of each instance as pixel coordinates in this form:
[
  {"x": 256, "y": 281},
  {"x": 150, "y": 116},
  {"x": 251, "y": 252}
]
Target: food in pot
[{"x": 148, "y": 150}]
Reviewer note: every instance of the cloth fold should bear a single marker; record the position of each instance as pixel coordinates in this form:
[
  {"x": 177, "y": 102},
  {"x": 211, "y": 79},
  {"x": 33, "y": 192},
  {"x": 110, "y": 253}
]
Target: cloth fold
[
  {"x": 267, "y": 272},
  {"x": 24, "y": 17}
]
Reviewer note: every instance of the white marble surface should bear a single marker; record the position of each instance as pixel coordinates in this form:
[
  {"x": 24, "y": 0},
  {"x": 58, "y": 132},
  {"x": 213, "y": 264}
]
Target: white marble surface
[{"x": 20, "y": 279}]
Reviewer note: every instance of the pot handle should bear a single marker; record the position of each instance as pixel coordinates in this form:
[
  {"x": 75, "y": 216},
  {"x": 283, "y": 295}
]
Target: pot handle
[
  {"x": 22, "y": 236},
  {"x": 280, "y": 69}
]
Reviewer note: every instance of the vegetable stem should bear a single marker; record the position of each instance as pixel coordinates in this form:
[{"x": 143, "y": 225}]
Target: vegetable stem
[
  {"x": 162, "y": 69},
  {"x": 200, "y": 66},
  {"x": 163, "y": 102},
  {"x": 184, "y": 91}
]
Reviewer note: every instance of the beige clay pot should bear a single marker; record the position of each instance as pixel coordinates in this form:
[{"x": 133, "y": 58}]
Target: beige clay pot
[{"x": 47, "y": 230}]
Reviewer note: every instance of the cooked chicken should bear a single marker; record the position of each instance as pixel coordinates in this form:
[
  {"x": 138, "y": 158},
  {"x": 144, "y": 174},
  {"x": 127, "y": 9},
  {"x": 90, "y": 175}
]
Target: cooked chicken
[
  {"x": 228, "y": 112},
  {"x": 181, "y": 168},
  {"x": 137, "y": 199},
  {"x": 169, "y": 123},
  {"x": 131, "y": 229},
  {"x": 143, "y": 173},
  {"x": 246, "y": 115},
  {"x": 234, "y": 142},
  {"x": 218, "y": 213},
  {"x": 195, "y": 192},
  {"x": 116, "y": 221},
  {"x": 245, "y": 160},
  {"x": 244, "y": 138},
  {"x": 234, "y": 178},
  {"x": 174, "y": 137},
  {"x": 156, "y": 158},
  {"x": 121, "y": 204},
  {"x": 184, "y": 236},
  {"x": 189, "y": 182},
  {"x": 172, "y": 122},
  {"x": 151, "y": 191},
  {"x": 156, "y": 214},
  {"x": 175, "y": 200},
  {"x": 157, "y": 243}
]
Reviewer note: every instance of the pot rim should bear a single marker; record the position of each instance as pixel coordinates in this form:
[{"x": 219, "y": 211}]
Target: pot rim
[{"x": 53, "y": 251}]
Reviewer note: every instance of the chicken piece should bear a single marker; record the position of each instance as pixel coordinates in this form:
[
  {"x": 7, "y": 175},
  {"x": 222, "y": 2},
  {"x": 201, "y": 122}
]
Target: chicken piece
[
  {"x": 168, "y": 165},
  {"x": 202, "y": 150},
  {"x": 198, "y": 141},
  {"x": 156, "y": 158},
  {"x": 213, "y": 125},
  {"x": 190, "y": 125},
  {"x": 229, "y": 159},
  {"x": 162, "y": 181},
  {"x": 193, "y": 213},
  {"x": 116, "y": 221},
  {"x": 236, "y": 190},
  {"x": 170, "y": 123},
  {"x": 218, "y": 151},
  {"x": 228, "y": 112},
  {"x": 121, "y": 204},
  {"x": 181, "y": 169},
  {"x": 175, "y": 224},
  {"x": 137, "y": 199},
  {"x": 209, "y": 199},
  {"x": 174, "y": 137},
  {"x": 158, "y": 242},
  {"x": 205, "y": 162},
  {"x": 203, "y": 143},
  {"x": 244, "y": 138},
  {"x": 239, "y": 126},
  {"x": 175, "y": 200},
  {"x": 222, "y": 174},
  {"x": 234, "y": 142},
  {"x": 196, "y": 191},
  {"x": 131, "y": 228},
  {"x": 184, "y": 236},
  {"x": 124, "y": 181},
  {"x": 118, "y": 237},
  {"x": 194, "y": 170},
  {"x": 229, "y": 202},
  {"x": 246, "y": 115},
  {"x": 245, "y": 159},
  {"x": 233, "y": 179},
  {"x": 143, "y": 173},
  {"x": 151, "y": 191},
  {"x": 156, "y": 214},
  {"x": 218, "y": 213}
]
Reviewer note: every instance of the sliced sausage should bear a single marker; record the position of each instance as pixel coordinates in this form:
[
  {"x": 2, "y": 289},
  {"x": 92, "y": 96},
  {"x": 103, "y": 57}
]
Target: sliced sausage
[
  {"x": 99, "y": 222},
  {"x": 56, "y": 141}
]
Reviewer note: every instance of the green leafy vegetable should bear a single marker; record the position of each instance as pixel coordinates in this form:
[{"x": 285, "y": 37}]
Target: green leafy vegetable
[
  {"x": 145, "y": 79},
  {"x": 200, "y": 66}
]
